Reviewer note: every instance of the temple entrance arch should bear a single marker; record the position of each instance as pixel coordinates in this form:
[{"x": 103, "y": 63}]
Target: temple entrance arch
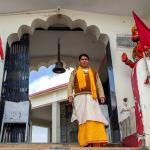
[{"x": 76, "y": 37}]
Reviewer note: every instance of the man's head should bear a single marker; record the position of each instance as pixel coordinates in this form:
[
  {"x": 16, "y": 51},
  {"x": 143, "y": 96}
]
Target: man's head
[{"x": 84, "y": 60}]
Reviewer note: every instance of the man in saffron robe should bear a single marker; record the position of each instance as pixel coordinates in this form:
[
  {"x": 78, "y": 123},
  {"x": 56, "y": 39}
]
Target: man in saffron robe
[{"x": 84, "y": 91}]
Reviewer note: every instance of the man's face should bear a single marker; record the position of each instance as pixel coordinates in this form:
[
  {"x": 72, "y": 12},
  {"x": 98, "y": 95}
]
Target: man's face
[{"x": 84, "y": 62}]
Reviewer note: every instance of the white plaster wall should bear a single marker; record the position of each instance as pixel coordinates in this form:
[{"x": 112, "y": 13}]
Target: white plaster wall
[
  {"x": 108, "y": 24},
  {"x": 148, "y": 20},
  {"x": 48, "y": 98}
]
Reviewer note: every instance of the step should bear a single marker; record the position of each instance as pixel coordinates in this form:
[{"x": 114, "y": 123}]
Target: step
[{"x": 58, "y": 147}]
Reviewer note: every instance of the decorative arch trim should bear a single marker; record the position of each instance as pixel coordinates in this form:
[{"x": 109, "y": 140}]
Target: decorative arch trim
[{"x": 58, "y": 19}]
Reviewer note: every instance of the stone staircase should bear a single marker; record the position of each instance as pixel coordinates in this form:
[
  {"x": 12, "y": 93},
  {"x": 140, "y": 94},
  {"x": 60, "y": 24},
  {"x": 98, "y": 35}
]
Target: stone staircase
[{"x": 62, "y": 147}]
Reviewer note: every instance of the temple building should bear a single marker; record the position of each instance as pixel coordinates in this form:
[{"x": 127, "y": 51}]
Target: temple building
[{"x": 33, "y": 35}]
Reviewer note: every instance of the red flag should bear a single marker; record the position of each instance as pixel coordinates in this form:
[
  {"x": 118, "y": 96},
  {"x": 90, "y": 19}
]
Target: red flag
[
  {"x": 143, "y": 30},
  {"x": 1, "y": 50}
]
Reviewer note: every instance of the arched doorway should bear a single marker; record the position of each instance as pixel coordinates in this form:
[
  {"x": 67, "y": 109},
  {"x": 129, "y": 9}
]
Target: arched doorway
[{"x": 76, "y": 38}]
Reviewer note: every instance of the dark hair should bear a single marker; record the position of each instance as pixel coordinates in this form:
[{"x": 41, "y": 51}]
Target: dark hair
[{"x": 83, "y": 55}]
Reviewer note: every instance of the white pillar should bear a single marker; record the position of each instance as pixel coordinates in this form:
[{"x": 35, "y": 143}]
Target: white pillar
[
  {"x": 49, "y": 134},
  {"x": 56, "y": 122},
  {"x": 30, "y": 133}
]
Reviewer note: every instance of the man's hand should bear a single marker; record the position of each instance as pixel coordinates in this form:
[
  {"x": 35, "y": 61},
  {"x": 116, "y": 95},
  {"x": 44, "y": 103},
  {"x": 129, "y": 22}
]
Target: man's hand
[
  {"x": 70, "y": 99},
  {"x": 102, "y": 100},
  {"x": 124, "y": 57}
]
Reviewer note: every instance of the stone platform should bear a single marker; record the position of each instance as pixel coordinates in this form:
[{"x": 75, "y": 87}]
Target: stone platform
[{"x": 61, "y": 147}]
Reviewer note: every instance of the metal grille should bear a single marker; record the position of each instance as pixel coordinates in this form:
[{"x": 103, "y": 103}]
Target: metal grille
[{"x": 15, "y": 85}]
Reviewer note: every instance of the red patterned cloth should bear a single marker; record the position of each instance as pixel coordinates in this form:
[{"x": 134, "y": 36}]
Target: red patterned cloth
[{"x": 143, "y": 30}]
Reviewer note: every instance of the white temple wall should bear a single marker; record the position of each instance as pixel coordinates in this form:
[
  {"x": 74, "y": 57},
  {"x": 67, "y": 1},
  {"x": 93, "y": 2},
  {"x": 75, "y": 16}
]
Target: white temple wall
[
  {"x": 108, "y": 24},
  {"x": 48, "y": 98},
  {"x": 148, "y": 20}
]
